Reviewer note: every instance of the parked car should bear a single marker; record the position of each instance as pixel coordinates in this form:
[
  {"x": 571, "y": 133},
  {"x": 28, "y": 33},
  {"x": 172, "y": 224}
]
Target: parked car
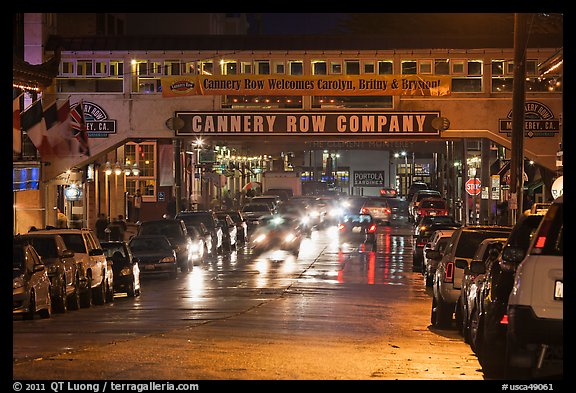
[
  {"x": 434, "y": 251},
  {"x": 414, "y": 187},
  {"x": 421, "y": 236},
  {"x": 241, "y": 225},
  {"x": 490, "y": 321},
  {"x": 357, "y": 229},
  {"x": 64, "y": 272},
  {"x": 415, "y": 201},
  {"x": 97, "y": 282},
  {"x": 253, "y": 212},
  {"x": 432, "y": 206},
  {"x": 448, "y": 277},
  {"x": 175, "y": 230},
  {"x": 206, "y": 235},
  {"x": 155, "y": 253},
  {"x": 489, "y": 247},
  {"x": 379, "y": 209},
  {"x": 535, "y": 333},
  {"x": 125, "y": 266},
  {"x": 208, "y": 218},
  {"x": 276, "y": 233},
  {"x": 273, "y": 201},
  {"x": 30, "y": 283},
  {"x": 229, "y": 231}
]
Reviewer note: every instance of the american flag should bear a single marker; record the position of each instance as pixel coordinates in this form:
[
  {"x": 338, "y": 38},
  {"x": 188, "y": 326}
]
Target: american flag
[{"x": 78, "y": 125}]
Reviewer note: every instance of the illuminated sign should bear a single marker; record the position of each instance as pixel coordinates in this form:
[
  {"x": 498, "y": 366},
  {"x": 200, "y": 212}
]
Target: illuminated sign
[
  {"x": 306, "y": 85},
  {"x": 368, "y": 178},
  {"x": 308, "y": 123},
  {"x": 97, "y": 123}
]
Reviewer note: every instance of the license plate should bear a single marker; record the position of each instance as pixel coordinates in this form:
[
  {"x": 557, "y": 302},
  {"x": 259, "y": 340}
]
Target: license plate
[
  {"x": 356, "y": 229},
  {"x": 558, "y": 290}
]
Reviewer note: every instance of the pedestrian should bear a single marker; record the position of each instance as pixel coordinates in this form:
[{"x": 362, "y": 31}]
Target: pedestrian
[
  {"x": 137, "y": 203},
  {"x": 62, "y": 220},
  {"x": 100, "y": 226},
  {"x": 116, "y": 229}
]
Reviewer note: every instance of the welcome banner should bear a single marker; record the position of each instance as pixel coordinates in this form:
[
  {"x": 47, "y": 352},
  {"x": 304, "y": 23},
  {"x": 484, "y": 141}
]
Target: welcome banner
[{"x": 314, "y": 85}]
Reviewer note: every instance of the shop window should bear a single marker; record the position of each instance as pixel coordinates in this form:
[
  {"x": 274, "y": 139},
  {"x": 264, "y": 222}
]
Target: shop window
[
  {"x": 409, "y": 67},
  {"x": 442, "y": 67},
  {"x": 335, "y": 67},
  {"x": 458, "y": 67},
  {"x": 144, "y": 155},
  {"x": 172, "y": 67},
  {"x": 68, "y": 68},
  {"x": 84, "y": 68},
  {"x": 352, "y": 67},
  {"x": 385, "y": 67},
  {"x": 116, "y": 68},
  {"x": 319, "y": 68},
  {"x": 497, "y": 67},
  {"x": 101, "y": 68},
  {"x": 190, "y": 68}
]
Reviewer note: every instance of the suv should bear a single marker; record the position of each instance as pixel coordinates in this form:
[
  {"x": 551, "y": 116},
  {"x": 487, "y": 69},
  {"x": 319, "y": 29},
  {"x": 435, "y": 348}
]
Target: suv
[
  {"x": 210, "y": 221},
  {"x": 175, "y": 230},
  {"x": 379, "y": 209},
  {"x": 535, "y": 306},
  {"x": 422, "y": 234},
  {"x": 433, "y": 252},
  {"x": 97, "y": 281},
  {"x": 489, "y": 321},
  {"x": 65, "y": 274},
  {"x": 448, "y": 277}
]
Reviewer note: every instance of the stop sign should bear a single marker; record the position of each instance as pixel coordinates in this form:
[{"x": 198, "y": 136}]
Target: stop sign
[{"x": 473, "y": 186}]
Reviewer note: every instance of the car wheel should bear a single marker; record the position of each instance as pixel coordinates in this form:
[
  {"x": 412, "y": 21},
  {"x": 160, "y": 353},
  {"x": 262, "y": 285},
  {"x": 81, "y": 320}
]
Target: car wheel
[
  {"x": 86, "y": 298},
  {"x": 74, "y": 298},
  {"x": 31, "y": 312},
  {"x": 475, "y": 331},
  {"x": 59, "y": 300},
  {"x": 99, "y": 293},
  {"x": 47, "y": 312},
  {"x": 441, "y": 313}
]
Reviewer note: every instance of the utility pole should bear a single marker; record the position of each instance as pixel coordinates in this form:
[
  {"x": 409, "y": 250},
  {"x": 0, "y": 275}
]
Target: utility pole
[{"x": 518, "y": 98}]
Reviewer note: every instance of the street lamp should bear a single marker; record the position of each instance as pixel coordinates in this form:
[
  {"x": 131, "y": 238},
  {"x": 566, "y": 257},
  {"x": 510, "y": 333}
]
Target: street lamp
[{"x": 406, "y": 185}]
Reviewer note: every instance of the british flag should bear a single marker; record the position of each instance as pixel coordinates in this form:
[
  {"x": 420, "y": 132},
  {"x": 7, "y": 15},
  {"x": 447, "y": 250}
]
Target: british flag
[{"x": 78, "y": 125}]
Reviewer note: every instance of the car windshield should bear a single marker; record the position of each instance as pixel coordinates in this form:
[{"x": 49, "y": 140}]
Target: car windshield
[
  {"x": 256, "y": 208},
  {"x": 470, "y": 240},
  {"x": 195, "y": 219},
  {"x": 45, "y": 247},
  {"x": 74, "y": 242},
  {"x": 522, "y": 235},
  {"x": 357, "y": 218},
  {"x": 433, "y": 204},
  {"x": 166, "y": 228},
  {"x": 149, "y": 244}
]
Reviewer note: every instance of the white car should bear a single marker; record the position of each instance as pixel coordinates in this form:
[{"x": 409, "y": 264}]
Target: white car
[
  {"x": 97, "y": 282},
  {"x": 536, "y": 303}
]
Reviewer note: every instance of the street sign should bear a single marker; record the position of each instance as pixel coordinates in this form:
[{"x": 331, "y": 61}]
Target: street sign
[{"x": 473, "y": 186}]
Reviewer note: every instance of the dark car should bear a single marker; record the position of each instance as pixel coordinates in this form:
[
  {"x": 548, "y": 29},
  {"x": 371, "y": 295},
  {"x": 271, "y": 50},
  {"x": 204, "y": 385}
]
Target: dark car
[
  {"x": 276, "y": 233},
  {"x": 253, "y": 212},
  {"x": 422, "y": 234},
  {"x": 175, "y": 230},
  {"x": 205, "y": 234},
  {"x": 208, "y": 218},
  {"x": 198, "y": 249},
  {"x": 125, "y": 266},
  {"x": 357, "y": 229},
  {"x": 432, "y": 206},
  {"x": 416, "y": 199},
  {"x": 229, "y": 231},
  {"x": 489, "y": 322},
  {"x": 241, "y": 225},
  {"x": 415, "y": 187},
  {"x": 155, "y": 254},
  {"x": 64, "y": 272}
]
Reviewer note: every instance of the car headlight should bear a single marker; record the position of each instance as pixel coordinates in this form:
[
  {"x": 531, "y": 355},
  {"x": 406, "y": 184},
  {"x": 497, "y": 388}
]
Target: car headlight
[
  {"x": 289, "y": 237},
  {"x": 304, "y": 220},
  {"x": 17, "y": 282}
]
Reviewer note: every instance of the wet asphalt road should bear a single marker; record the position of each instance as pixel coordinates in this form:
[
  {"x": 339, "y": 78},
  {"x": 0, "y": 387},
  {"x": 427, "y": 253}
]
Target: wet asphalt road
[{"x": 334, "y": 313}]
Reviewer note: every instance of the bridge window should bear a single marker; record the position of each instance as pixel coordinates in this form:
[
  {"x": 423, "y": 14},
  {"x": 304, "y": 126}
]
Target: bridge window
[
  {"x": 279, "y": 67},
  {"x": 295, "y": 67},
  {"x": 335, "y": 67},
  {"x": 319, "y": 67},
  {"x": 262, "y": 67},
  {"x": 385, "y": 67},
  {"x": 409, "y": 67},
  {"x": 246, "y": 67},
  {"x": 352, "y": 67},
  {"x": 228, "y": 67}
]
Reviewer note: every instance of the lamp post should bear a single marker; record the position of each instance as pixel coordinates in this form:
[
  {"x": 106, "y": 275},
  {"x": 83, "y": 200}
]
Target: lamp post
[{"x": 406, "y": 185}]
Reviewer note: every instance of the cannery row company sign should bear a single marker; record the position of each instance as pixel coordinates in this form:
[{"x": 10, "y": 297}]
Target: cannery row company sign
[
  {"x": 539, "y": 121},
  {"x": 308, "y": 123},
  {"x": 306, "y": 85},
  {"x": 368, "y": 179}
]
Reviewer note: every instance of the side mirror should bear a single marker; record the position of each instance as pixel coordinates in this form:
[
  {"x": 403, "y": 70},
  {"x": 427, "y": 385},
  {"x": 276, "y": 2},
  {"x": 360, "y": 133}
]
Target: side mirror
[
  {"x": 96, "y": 252},
  {"x": 461, "y": 263},
  {"x": 477, "y": 267},
  {"x": 67, "y": 254}
]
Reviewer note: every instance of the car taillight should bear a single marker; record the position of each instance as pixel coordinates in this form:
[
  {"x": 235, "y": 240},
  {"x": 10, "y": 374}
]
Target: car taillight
[
  {"x": 387, "y": 210},
  {"x": 372, "y": 228},
  {"x": 504, "y": 320},
  {"x": 443, "y": 212},
  {"x": 449, "y": 276},
  {"x": 341, "y": 227},
  {"x": 421, "y": 242},
  {"x": 363, "y": 210}
]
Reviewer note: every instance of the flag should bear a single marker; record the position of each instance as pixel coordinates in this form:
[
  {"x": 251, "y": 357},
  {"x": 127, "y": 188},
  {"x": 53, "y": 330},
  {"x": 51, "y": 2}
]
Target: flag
[
  {"x": 32, "y": 121},
  {"x": 58, "y": 123},
  {"x": 78, "y": 124},
  {"x": 16, "y": 131}
]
